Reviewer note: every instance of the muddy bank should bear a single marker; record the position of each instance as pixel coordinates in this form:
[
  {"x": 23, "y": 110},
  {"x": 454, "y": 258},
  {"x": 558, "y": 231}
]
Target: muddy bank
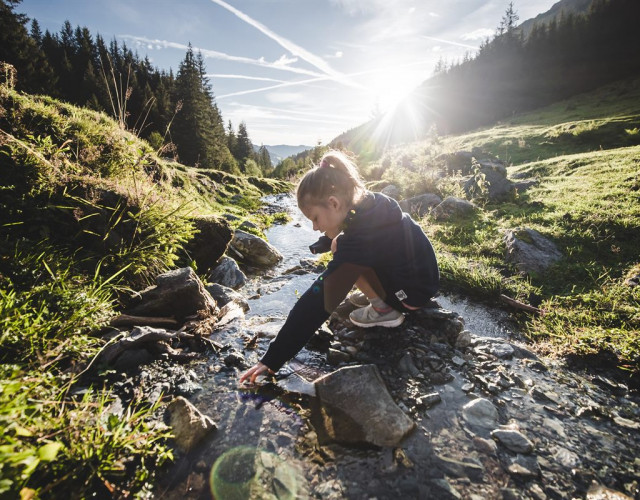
[{"x": 492, "y": 420}]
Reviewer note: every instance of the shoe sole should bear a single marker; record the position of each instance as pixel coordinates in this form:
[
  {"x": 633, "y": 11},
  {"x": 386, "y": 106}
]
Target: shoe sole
[{"x": 387, "y": 324}]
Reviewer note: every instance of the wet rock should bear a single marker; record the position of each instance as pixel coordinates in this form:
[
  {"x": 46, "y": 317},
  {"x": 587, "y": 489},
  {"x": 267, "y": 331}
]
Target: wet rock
[
  {"x": 228, "y": 274},
  {"x": 132, "y": 359},
  {"x": 188, "y": 388},
  {"x": 480, "y": 414},
  {"x": 485, "y": 446},
  {"x": 223, "y": 295},
  {"x": 513, "y": 440},
  {"x": 502, "y": 350},
  {"x": 568, "y": 459},
  {"x": 420, "y": 205},
  {"x": 442, "y": 490},
  {"x": 178, "y": 293},
  {"x": 234, "y": 359},
  {"x": 457, "y": 468},
  {"x": 210, "y": 242},
  {"x": 626, "y": 423},
  {"x": 464, "y": 340},
  {"x": 428, "y": 400},
  {"x": 335, "y": 357},
  {"x": 510, "y": 494},
  {"x": 189, "y": 425},
  {"x": 357, "y": 408},
  {"x": 545, "y": 396},
  {"x": 453, "y": 207},
  {"x": 254, "y": 251},
  {"x": 599, "y": 492},
  {"x": 407, "y": 366},
  {"x": 529, "y": 251}
]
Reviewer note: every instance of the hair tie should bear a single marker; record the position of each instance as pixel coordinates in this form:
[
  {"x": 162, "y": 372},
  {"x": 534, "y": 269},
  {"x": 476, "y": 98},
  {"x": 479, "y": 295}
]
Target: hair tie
[{"x": 324, "y": 163}]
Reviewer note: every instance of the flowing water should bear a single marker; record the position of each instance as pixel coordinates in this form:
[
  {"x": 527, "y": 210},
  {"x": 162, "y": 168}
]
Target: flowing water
[{"x": 266, "y": 447}]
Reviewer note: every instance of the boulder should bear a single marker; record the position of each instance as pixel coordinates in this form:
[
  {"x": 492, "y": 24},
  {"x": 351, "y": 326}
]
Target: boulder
[
  {"x": 522, "y": 186},
  {"x": 453, "y": 207},
  {"x": 189, "y": 425},
  {"x": 420, "y": 205},
  {"x": 530, "y": 251},
  {"x": 499, "y": 187},
  {"x": 254, "y": 251},
  {"x": 480, "y": 414},
  {"x": 210, "y": 242},
  {"x": 228, "y": 274},
  {"x": 224, "y": 295},
  {"x": 392, "y": 191},
  {"x": 178, "y": 293},
  {"x": 513, "y": 440},
  {"x": 356, "y": 408}
]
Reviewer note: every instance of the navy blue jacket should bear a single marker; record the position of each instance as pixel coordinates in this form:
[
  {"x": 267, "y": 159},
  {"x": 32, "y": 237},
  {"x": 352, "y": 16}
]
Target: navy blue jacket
[{"x": 377, "y": 236}]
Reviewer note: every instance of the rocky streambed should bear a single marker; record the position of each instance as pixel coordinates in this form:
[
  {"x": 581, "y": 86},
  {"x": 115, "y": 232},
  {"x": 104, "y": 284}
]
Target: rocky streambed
[{"x": 448, "y": 405}]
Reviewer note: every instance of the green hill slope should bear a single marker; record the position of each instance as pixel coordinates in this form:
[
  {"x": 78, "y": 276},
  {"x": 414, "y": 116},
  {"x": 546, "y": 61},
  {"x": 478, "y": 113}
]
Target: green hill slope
[
  {"x": 87, "y": 213},
  {"x": 585, "y": 155}
]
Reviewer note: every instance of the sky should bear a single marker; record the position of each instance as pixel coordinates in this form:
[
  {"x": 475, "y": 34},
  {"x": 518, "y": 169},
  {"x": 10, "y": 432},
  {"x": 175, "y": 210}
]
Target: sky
[{"x": 295, "y": 71}]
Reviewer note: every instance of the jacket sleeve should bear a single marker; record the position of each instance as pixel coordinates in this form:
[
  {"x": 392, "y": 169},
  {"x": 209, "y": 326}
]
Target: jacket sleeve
[
  {"x": 310, "y": 311},
  {"x": 305, "y": 318}
]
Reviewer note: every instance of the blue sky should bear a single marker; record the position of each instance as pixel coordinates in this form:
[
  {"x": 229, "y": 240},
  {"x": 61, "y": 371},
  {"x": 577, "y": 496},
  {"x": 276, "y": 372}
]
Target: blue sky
[{"x": 295, "y": 71}]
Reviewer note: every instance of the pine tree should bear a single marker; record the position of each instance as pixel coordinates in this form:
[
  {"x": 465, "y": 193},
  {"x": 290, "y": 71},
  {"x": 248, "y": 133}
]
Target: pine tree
[
  {"x": 198, "y": 131},
  {"x": 244, "y": 148}
]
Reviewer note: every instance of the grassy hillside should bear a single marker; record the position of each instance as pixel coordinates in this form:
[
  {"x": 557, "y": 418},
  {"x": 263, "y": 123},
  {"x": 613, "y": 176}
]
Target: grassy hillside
[
  {"x": 87, "y": 212},
  {"x": 586, "y": 156}
]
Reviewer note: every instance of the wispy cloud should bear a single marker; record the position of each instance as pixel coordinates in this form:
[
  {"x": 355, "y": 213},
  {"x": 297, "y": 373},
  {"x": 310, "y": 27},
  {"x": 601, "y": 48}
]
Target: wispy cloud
[
  {"x": 282, "y": 64},
  {"x": 479, "y": 34},
  {"x": 450, "y": 42},
  {"x": 292, "y": 47}
]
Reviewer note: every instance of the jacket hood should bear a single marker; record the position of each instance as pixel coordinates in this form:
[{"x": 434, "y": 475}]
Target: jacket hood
[{"x": 375, "y": 211}]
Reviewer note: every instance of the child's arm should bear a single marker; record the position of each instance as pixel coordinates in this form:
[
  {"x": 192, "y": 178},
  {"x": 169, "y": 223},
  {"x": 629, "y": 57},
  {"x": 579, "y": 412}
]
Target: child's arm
[{"x": 311, "y": 310}]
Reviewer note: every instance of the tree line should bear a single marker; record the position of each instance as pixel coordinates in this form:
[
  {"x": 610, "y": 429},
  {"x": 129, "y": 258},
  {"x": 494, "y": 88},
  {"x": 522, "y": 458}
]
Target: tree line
[
  {"x": 177, "y": 113},
  {"x": 512, "y": 73}
]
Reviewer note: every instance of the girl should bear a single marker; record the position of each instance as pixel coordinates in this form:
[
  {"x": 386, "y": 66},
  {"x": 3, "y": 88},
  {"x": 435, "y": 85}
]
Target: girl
[{"x": 375, "y": 246}]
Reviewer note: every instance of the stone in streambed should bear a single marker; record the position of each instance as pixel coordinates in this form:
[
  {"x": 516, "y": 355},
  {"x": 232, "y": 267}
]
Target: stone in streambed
[
  {"x": 356, "y": 408},
  {"x": 189, "y": 425}
]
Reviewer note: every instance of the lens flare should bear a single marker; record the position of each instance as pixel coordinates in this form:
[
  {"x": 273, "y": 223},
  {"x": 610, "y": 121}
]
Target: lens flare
[{"x": 246, "y": 472}]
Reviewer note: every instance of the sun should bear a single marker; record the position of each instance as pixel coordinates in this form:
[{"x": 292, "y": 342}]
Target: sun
[{"x": 389, "y": 85}]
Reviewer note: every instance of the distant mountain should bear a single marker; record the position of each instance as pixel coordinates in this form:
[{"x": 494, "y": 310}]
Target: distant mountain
[
  {"x": 563, "y": 6},
  {"x": 282, "y": 151}
]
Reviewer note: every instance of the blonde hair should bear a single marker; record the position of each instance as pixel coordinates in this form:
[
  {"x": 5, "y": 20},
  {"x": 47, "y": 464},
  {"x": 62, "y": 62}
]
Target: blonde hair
[{"x": 336, "y": 175}]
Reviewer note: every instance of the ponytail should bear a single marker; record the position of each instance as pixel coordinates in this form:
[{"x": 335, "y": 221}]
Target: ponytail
[{"x": 335, "y": 175}]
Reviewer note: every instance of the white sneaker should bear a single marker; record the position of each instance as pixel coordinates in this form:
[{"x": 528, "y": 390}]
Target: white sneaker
[{"x": 367, "y": 317}]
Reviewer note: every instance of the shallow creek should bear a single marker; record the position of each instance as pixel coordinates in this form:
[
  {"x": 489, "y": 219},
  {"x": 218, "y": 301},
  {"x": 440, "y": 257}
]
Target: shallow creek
[{"x": 584, "y": 429}]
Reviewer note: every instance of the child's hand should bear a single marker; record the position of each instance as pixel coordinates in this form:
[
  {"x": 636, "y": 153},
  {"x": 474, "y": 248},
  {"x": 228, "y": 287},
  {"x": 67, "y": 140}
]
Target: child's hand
[{"x": 256, "y": 370}]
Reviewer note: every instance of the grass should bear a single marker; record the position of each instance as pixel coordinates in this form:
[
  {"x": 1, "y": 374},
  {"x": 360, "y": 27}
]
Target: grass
[
  {"x": 585, "y": 154},
  {"x": 87, "y": 213}
]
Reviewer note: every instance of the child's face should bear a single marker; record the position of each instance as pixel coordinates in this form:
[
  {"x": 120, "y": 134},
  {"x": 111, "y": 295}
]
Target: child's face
[{"x": 327, "y": 217}]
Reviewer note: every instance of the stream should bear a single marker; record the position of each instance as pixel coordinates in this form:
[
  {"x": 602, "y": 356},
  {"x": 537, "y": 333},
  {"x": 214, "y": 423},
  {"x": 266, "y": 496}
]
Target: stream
[{"x": 583, "y": 428}]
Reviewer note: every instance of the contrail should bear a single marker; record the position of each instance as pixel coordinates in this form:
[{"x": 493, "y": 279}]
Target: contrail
[
  {"x": 243, "y": 77},
  {"x": 450, "y": 42},
  {"x": 278, "y": 86},
  {"x": 295, "y": 49},
  {"x": 319, "y": 79},
  {"x": 214, "y": 54}
]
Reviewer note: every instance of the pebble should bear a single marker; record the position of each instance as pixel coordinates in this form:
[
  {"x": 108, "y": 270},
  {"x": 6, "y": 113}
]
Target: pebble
[{"x": 513, "y": 440}]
